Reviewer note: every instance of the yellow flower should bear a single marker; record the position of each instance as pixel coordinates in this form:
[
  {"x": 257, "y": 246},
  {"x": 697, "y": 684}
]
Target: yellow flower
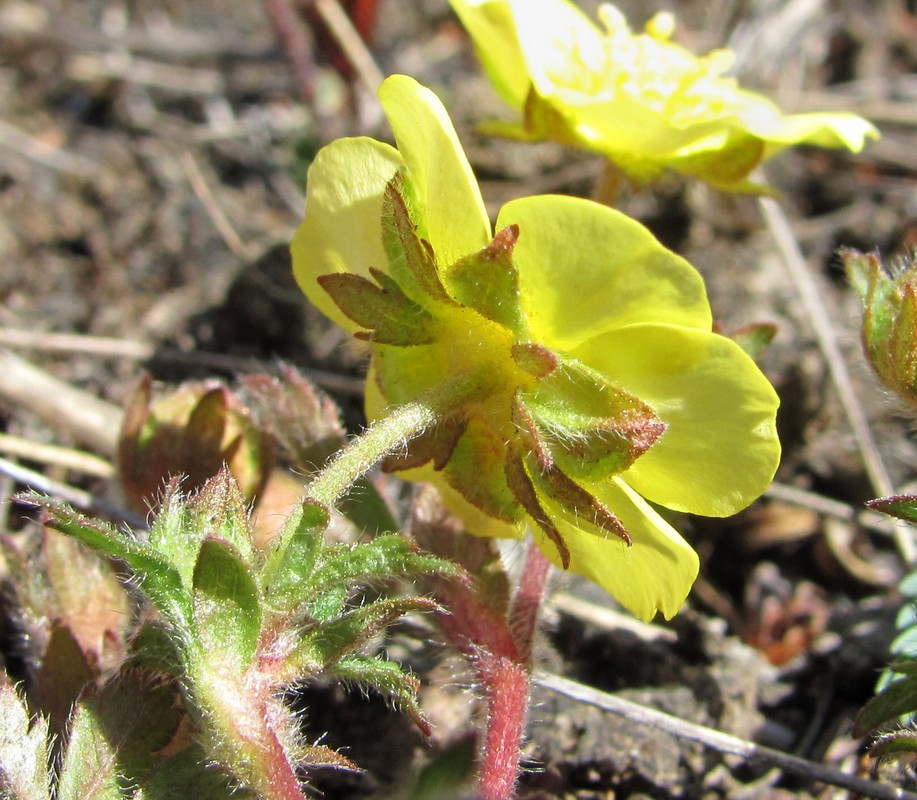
[
  {"x": 643, "y": 102},
  {"x": 570, "y": 356}
]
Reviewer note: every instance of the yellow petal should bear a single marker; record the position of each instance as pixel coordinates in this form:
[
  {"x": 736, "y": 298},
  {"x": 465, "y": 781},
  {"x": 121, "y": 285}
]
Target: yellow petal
[
  {"x": 493, "y": 33},
  {"x": 585, "y": 269},
  {"x": 451, "y": 216},
  {"x": 654, "y": 574},
  {"x": 342, "y": 230},
  {"x": 720, "y": 450}
]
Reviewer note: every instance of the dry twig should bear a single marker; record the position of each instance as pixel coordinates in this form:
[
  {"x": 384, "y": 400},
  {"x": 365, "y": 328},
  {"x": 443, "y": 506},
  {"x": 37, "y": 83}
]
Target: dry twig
[{"x": 721, "y": 742}]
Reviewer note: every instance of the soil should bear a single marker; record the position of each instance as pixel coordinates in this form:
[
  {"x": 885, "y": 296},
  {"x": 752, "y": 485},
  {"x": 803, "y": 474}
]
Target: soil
[{"x": 152, "y": 161}]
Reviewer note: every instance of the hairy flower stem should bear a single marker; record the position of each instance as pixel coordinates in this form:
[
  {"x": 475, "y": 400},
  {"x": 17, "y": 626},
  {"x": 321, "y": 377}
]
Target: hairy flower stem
[
  {"x": 506, "y": 677},
  {"x": 391, "y": 432}
]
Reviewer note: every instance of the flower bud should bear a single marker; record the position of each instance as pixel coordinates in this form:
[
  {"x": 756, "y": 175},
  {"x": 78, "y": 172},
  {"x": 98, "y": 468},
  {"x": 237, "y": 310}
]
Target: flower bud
[{"x": 889, "y": 330}]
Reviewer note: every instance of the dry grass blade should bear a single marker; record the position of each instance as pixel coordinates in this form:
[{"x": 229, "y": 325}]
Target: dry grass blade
[
  {"x": 817, "y": 313},
  {"x": 70, "y": 410}
]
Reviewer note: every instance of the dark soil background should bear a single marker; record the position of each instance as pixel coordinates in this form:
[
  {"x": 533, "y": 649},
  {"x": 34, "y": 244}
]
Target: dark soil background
[{"x": 152, "y": 163}]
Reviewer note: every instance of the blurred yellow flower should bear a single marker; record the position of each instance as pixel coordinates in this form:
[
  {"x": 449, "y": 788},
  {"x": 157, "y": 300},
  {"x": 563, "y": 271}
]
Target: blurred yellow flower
[
  {"x": 570, "y": 356},
  {"x": 640, "y": 100}
]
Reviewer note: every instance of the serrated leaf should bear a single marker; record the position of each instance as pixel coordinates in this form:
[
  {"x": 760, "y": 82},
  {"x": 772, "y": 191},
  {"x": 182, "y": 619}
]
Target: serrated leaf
[
  {"x": 158, "y": 580},
  {"x": 292, "y": 557},
  {"x": 226, "y": 605},
  {"x": 23, "y": 749},
  {"x": 896, "y": 699},
  {"x": 115, "y": 736},
  {"x": 90, "y": 766},
  {"x": 383, "y": 558},
  {"x": 387, "y": 679},
  {"x": 217, "y": 509},
  {"x": 188, "y": 773},
  {"x": 323, "y": 644}
]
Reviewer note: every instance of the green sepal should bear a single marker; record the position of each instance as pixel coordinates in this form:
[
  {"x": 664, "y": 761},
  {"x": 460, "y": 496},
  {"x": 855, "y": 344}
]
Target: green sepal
[
  {"x": 436, "y": 444},
  {"x": 411, "y": 259},
  {"x": 322, "y": 644},
  {"x": 902, "y": 506},
  {"x": 488, "y": 282},
  {"x": 388, "y": 679},
  {"x": 390, "y": 316},
  {"x": 159, "y": 580},
  {"x": 754, "y": 339},
  {"x": 591, "y": 428},
  {"x": 534, "y": 358},
  {"x": 475, "y": 471},
  {"x": 292, "y": 557},
  {"x": 520, "y": 482},
  {"x": 227, "y": 604},
  {"x": 24, "y": 771}
]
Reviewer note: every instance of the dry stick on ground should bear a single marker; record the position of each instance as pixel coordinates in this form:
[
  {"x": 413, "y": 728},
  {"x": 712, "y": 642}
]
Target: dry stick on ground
[
  {"x": 721, "y": 742},
  {"x": 53, "y": 455},
  {"x": 214, "y": 210},
  {"x": 104, "y": 347},
  {"x": 837, "y": 367},
  {"x": 88, "y": 419},
  {"x": 43, "y": 153}
]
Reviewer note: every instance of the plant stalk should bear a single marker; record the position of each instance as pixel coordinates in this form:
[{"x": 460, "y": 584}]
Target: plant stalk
[
  {"x": 506, "y": 677},
  {"x": 390, "y": 433}
]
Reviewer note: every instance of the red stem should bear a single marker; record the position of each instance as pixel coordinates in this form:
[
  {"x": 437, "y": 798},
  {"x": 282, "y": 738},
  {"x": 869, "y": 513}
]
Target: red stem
[{"x": 500, "y": 649}]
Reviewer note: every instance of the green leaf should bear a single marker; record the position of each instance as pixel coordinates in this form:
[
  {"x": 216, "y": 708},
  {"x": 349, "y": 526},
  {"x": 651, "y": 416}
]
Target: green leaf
[
  {"x": 448, "y": 774},
  {"x": 896, "y": 699},
  {"x": 324, "y": 643},
  {"x": 219, "y": 510},
  {"x": 90, "y": 767},
  {"x": 23, "y": 749},
  {"x": 383, "y": 558},
  {"x": 292, "y": 557},
  {"x": 387, "y": 679},
  {"x": 227, "y": 605},
  {"x": 116, "y": 734},
  {"x": 157, "y": 578},
  {"x": 187, "y": 773}
]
